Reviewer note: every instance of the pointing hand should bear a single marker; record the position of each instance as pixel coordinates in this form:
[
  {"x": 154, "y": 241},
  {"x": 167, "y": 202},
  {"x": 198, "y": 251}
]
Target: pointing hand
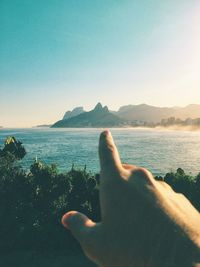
[{"x": 144, "y": 222}]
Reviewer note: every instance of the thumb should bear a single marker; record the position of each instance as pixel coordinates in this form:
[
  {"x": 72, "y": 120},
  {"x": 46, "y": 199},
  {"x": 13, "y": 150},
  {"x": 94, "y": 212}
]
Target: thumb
[{"x": 79, "y": 224}]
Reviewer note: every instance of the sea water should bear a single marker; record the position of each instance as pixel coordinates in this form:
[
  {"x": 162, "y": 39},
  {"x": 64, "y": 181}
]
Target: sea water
[{"x": 160, "y": 151}]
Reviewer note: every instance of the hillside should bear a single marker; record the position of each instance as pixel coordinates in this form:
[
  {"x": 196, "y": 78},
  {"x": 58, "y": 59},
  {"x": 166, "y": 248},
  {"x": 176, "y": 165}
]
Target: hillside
[
  {"x": 75, "y": 112},
  {"x": 98, "y": 117},
  {"x": 154, "y": 114},
  {"x": 130, "y": 115}
]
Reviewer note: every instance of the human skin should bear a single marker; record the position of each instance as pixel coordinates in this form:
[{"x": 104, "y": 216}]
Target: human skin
[{"x": 144, "y": 222}]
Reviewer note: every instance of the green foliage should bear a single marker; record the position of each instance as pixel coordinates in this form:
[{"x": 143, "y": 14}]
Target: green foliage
[
  {"x": 13, "y": 147},
  {"x": 32, "y": 203},
  {"x": 185, "y": 184}
]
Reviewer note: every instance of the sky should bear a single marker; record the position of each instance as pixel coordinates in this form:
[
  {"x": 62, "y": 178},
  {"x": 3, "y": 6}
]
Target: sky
[{"x": 56, "y": 55}]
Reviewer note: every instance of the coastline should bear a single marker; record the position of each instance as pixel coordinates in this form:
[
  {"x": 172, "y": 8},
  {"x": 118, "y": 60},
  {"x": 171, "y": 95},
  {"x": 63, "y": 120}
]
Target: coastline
[{"x": 189, "y": 128}]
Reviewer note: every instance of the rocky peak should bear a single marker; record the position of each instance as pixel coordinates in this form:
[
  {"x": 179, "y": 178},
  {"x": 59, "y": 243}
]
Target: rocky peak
[
  {"x": 106, "y": 109},
  {"x": 98, "y": 107},
  {"x": 76, "y": 111}
]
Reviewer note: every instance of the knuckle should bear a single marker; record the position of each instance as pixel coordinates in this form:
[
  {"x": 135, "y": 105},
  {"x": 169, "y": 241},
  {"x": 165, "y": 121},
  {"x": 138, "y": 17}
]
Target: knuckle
[
  {"x": 142, "y": 176},
  {"x": 142, "y": 172}
]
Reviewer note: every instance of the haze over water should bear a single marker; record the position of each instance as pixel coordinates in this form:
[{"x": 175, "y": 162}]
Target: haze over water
[{"x": 158, "y": 150}]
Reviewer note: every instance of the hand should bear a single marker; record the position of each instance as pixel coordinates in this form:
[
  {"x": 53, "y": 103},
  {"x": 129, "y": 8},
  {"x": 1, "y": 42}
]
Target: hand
[{"x": 144, "y": 222}]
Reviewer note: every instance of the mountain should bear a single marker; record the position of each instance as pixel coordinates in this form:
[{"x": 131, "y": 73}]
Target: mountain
[
  {"x": 191, "y": 111},
  {"x": 154, "y": 114},
  {"x": 98, "y": 117},
  {"x": 76, "y": 111},
  {"x": 130, "y": 115}
]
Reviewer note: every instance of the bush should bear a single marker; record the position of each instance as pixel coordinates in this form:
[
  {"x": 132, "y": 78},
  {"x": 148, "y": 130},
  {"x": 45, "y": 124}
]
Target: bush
[{"x": 32, "y": 203}]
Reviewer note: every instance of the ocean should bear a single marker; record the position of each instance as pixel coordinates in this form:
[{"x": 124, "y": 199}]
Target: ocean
[{"x": 160, "y": 151}]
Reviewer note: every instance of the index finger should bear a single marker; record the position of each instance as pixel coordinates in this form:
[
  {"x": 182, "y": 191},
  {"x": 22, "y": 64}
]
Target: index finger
[{"x": 108, "y": 154}]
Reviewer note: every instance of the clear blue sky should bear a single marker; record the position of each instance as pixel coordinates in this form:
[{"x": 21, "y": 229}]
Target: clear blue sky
[{"x": 55, "y": 55}]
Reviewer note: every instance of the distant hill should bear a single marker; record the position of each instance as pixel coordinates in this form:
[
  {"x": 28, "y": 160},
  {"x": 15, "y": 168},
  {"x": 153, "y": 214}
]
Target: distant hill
[
  {"x": 154, "y": 114},
  {"x": 98, "y": 117},
  {"x": 191, "y": 111},
  {"x": 75, "y": 112}
]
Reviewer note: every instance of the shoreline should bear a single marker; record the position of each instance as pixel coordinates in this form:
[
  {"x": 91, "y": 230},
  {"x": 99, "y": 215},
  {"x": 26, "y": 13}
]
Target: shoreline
[{"x": 189, "y": 128}]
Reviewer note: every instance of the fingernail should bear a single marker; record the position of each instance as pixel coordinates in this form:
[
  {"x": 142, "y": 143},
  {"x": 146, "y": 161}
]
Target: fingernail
[
  {"x": 106, "y": 132},
  {"x": 66, "y": 219}
]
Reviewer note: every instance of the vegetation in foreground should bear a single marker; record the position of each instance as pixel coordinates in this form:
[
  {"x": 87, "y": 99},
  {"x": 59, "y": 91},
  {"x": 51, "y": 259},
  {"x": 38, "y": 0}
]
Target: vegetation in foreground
[{"x": 32, "y": 203}]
